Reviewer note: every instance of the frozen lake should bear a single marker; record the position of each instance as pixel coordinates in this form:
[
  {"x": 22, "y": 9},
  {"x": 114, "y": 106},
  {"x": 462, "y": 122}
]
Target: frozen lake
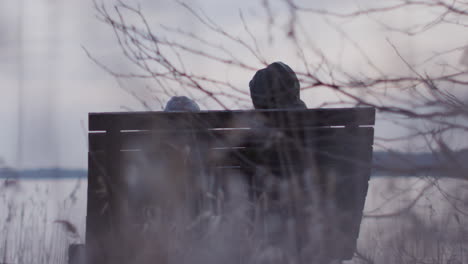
[{"x": 40, "y": 218}]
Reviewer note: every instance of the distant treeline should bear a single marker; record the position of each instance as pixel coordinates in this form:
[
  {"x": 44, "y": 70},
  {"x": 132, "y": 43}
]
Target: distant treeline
[
  {"x": 52, "y": 173},
  {"x": 438, "y": 164},
  {"x": 384, "y": 164}
]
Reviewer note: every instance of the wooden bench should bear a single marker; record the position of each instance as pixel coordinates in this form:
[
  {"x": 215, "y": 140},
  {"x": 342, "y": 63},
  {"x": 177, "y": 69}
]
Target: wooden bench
[{"x": 324, "y": 153}]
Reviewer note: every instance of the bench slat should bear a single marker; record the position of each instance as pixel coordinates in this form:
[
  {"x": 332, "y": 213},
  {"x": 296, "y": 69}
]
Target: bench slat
[
  {"x": 226, "y": 119},
  {"x": 235, "y": 138}
]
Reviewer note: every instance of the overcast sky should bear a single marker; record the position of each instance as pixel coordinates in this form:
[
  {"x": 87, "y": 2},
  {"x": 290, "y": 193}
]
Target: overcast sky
[{"x": 48, "y": 85}]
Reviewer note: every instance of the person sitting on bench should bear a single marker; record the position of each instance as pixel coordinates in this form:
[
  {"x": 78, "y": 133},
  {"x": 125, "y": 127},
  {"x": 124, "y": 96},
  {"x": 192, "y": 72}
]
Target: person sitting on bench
[{"x": 275, "y": 87}]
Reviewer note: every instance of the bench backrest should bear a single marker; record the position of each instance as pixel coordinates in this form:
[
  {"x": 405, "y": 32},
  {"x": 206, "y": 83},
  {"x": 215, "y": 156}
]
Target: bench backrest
[{"x": 336, "y": 143}]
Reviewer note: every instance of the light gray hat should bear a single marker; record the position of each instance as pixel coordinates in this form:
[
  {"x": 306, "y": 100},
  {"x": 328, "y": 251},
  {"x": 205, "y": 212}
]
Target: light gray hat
[{"x": 181, "y": 103}]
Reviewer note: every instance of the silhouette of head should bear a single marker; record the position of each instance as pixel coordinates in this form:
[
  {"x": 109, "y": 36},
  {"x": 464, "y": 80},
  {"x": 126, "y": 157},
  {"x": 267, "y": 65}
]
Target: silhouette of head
[
  {"x": 275, "y": 86},
  {"x": 181, "y": 103}
]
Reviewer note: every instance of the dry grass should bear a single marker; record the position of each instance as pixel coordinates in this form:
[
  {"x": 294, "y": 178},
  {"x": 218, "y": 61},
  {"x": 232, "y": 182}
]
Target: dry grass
[
  {"x": 38, "y": 229},
  {"x": 39, "y": 219}
]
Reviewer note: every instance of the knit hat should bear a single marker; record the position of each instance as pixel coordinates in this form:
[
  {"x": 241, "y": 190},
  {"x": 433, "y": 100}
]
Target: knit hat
[{"x": 181, "y": 103}]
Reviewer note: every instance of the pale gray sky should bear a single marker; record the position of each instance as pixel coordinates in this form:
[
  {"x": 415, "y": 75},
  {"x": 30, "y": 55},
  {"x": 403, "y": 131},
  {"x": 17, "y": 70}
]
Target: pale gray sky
[{"x": 44, "y": 124}]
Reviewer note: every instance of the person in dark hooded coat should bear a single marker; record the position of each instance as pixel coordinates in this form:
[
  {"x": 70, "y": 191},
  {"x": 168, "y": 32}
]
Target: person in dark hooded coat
[{"x": 276, "y": 87}]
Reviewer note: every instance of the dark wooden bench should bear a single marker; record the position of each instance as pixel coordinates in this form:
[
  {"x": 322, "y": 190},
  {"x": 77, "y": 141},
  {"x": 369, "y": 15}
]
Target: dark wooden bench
[{"x": 324, "y": 153}]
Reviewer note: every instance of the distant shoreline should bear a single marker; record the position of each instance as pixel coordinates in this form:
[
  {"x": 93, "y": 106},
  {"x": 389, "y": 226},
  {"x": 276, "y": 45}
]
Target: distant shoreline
[{"x": 44, "y": 174}]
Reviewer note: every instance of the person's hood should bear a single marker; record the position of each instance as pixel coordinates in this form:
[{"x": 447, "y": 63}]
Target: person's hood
[{"x": 275, "y": 86}]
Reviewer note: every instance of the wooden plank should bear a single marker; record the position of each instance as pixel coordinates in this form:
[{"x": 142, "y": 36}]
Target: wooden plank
[
  {"x": 98, "y": 211},
  {"x": 114, "y": 183},
  {"x": 103, "y": 200},
  {"x": 95, "y": 219},
  {"x": 237, "y": 118},
  {"x": 333, "y": 160},
  {"x": 77, "y": 254},
  {"x": 326, "y": 154},
  {"x": 236, "y": 138},
  {"x": 350, "y": 199}
]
